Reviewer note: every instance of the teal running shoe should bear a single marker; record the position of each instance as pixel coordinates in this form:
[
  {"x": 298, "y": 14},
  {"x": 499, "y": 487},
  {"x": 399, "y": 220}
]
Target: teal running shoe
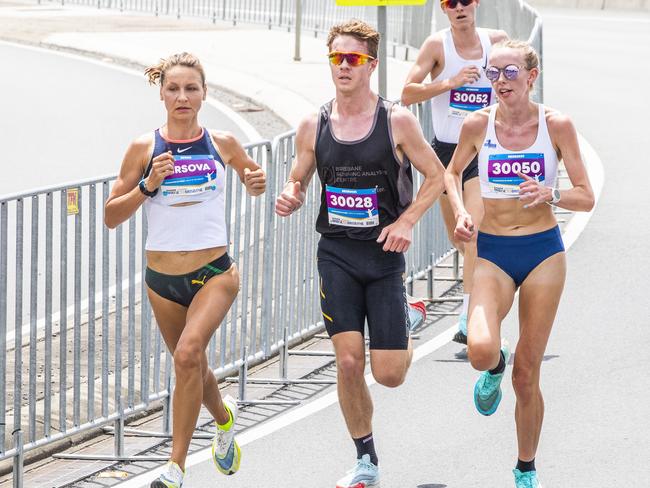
[
  {"x": 363, "y": 475},
  {"x": 172, "y": 477},
  {"x": 487, "y": 391},
  {"x": 226, "y": 453},
  {"x": 417, "y": 314},
  {"x": 526, "y": 480},
  {"x": 461, "y": 335}
]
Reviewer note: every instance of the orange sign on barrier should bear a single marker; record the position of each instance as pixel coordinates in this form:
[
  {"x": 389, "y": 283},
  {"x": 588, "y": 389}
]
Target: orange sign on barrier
[
  {"x": 378, "y": 3},
  {"x": 73, "y": 201}
]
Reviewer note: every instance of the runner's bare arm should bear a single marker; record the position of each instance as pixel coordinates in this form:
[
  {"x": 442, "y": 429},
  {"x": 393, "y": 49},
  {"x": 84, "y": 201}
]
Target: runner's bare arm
[
  {"x": 580, "y": 197},
  {"x": 415, "y": 88},
  {"x": 126, "y": 197},
  {"x": 233, "y": 153},
  {"x": 304, "y": 165},
  {"x": 411, "y": 144},
  {"x": 471, "y": 137}
]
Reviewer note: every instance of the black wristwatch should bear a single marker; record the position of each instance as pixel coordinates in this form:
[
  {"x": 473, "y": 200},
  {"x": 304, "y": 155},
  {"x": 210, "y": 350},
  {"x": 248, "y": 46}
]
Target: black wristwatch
[{"x": 143, "y": 189}]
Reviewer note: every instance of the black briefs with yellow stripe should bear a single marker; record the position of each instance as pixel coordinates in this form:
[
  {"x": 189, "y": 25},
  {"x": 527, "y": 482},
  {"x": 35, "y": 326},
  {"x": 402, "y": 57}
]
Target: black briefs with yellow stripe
[{"x": 182, "y": 288}]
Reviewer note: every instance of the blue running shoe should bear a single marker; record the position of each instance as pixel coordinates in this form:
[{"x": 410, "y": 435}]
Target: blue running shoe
[
  {"x": 363, "y": 475},
  {"x": 526, "y": 480},
  {"x": 417, "y": 314},
  {"x": 226, "y": 453},
  {"x": 487, "y": 391},
  {"x": 461, "y": 335},
  {"x": 172, "y": 477}
]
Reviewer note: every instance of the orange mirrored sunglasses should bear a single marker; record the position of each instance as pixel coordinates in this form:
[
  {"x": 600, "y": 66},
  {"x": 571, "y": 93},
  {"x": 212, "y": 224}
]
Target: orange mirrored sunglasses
[
  {"x": 454, "y": 3},
  {"x": 353, "y": 59}
]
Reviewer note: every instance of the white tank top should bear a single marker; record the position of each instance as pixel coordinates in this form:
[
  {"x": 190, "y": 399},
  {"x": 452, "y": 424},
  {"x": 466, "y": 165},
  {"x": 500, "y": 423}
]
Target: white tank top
[
  {"x": 199, "y": 176},
  {"x": 449, "y": 109},
  {"x": 498, "y": 166}
]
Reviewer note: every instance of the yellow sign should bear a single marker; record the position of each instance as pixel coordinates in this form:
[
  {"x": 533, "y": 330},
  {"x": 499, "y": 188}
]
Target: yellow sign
[
  {"x": 377, "y": 3},
  {"x": 73, "y": 201}
]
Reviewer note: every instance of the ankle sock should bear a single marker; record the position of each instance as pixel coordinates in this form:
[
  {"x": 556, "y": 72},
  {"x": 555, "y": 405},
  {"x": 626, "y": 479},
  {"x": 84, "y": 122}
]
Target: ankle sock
[
  {"x": 501, "y": 367},
  {"x": 525, "y": 466},
  {"x": 366, "y": 445}
]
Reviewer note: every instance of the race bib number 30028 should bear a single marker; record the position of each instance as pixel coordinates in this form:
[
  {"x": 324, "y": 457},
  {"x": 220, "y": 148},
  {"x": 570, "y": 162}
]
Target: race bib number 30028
[
  {"x": 503, "y": 169},
  {"x": 352, "y": 207},
  {"x": 467, "y": 99}
]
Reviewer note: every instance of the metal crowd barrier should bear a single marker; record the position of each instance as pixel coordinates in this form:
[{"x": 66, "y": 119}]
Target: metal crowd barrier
[{"x": 406, "y": 25}]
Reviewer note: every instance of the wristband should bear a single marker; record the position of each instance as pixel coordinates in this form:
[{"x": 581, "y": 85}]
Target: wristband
[{"x": 143, "y": 189}]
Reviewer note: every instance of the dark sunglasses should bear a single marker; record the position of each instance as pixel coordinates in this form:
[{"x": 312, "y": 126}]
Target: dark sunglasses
[
  {"x": 454, "y": 3},
  {"x": 511, "y": 72},
  {"x": 353, "y": 59}
]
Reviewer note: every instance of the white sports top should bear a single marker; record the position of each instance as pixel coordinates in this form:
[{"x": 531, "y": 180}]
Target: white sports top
[
  {"x": 199, "y": 176},
  {"x": 449, "y": 109},
  {"x": 498, "y": 166}
]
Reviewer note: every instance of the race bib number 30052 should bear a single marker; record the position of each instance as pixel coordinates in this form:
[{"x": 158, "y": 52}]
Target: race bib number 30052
[
  {"x": 503, "y": 169},
  {"x": 352, "y": 207},
  {"x": 467, "y": 99}
]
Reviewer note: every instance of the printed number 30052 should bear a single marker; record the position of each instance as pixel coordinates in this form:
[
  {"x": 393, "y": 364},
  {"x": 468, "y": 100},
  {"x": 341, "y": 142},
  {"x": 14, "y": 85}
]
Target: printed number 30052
[
  {"x": 482, "y": 98},
  {"x": 350, "y": 202},
  {"x": 525, "y": 167}
]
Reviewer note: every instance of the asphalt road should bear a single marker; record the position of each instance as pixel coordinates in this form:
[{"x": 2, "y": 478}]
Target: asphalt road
[
  {"x": 596, "y": 432},
  {"x": 67, "y": 118}
]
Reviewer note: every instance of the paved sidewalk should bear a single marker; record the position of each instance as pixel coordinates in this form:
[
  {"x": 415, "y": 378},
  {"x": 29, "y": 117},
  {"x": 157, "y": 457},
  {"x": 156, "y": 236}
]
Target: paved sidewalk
[{"x": 251, "y": 61}]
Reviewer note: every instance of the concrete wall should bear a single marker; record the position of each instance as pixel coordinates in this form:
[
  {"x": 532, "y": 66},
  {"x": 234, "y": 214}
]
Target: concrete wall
[{"x": 593, "y": 4}]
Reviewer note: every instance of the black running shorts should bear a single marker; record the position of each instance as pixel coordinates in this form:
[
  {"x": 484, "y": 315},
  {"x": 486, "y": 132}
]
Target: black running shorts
[
  {"x": 445, "y": 150},
  {"x": 359, "y": 281}
]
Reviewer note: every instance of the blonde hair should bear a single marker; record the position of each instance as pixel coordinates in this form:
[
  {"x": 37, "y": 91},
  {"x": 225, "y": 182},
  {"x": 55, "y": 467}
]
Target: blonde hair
[
  {"x": 531, "y": 58},
  {"x": 156, "y": 73},
  {"x": 360, "y": 31}
]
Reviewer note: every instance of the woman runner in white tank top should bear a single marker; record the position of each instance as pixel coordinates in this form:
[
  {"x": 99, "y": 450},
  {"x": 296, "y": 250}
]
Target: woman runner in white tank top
[
  {"x": 178, "y": 173},
  {"x": 454, "y": 59},
  {"x": 519, "y": 144}
]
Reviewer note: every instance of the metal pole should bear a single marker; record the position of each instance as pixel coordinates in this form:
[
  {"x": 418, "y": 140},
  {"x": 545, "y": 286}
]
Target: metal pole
[
  {"x": 296, "y": 56},
  {"x": 381, "y": 25}
]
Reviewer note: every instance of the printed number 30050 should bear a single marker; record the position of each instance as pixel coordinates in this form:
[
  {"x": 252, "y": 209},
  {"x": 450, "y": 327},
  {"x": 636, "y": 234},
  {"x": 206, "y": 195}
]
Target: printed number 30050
[
  {"x": 508, "y": 168},
  {"x": 350, "y": 202},
  {"x": 471, "y": 98}
]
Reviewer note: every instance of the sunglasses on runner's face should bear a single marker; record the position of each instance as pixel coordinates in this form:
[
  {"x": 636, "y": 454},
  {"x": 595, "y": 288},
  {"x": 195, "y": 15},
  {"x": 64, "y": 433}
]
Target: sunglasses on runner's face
[
  {"x": 353, "y": 59},
  {"x": 511, "y": 72},
  {"x": 454, "y": 3}
]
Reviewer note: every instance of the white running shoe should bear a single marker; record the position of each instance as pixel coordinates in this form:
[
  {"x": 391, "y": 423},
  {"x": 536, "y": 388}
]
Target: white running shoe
[
  {"x": 226, "y": 453},
  {"x": 172, "y": 477}
]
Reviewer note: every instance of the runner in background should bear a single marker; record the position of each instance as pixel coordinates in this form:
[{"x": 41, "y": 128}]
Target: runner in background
[{"x": 454, "y": 59}]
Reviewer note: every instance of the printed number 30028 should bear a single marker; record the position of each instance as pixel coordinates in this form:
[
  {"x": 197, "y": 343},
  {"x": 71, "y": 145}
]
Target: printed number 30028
[{"x": 350, "y": 202}]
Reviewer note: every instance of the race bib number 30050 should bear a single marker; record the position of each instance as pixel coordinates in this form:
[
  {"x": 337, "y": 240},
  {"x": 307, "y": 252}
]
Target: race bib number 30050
[
  {"x": 467, "y": 99},
  {"x": 352, "y": 207},
  {"x": 503, "y": 169}
]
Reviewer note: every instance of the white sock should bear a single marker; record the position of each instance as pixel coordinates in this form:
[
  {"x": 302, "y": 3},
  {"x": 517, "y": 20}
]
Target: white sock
[{"x": 465, "y": 304}]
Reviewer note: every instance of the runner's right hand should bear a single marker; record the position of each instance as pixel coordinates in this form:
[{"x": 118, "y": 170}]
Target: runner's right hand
[
  {"x": 162, "y": 166},
  {"x": 464, "y": 228},
  {"x": 290, "y": 200},
  {"x": 467, "y": 75}
]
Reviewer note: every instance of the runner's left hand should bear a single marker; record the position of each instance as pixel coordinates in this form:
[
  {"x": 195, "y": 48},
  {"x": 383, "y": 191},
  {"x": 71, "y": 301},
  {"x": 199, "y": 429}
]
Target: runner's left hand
[
  {"x": 396, "y": 237},
  {"x": 255, "y": 181},
  {"x": 532, "y": 193}
]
